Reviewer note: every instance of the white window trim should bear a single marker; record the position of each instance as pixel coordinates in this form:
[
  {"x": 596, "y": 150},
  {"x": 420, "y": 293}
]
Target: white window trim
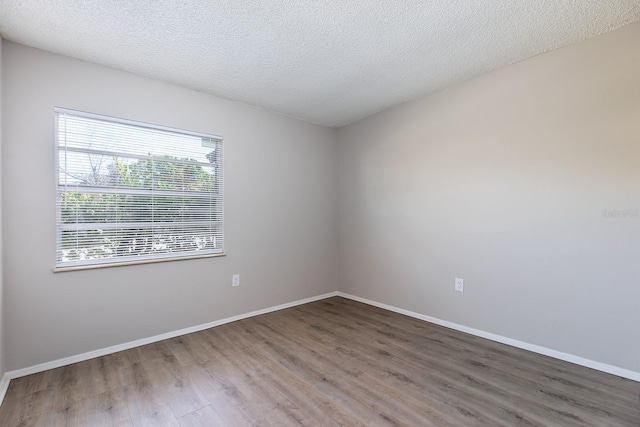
[{"x": 217, "y": 194}]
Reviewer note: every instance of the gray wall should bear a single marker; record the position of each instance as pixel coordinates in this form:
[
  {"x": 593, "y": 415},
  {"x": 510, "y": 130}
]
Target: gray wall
[
  {"x": 502, "y": 181},
  {"x": 280, "y": 213}
]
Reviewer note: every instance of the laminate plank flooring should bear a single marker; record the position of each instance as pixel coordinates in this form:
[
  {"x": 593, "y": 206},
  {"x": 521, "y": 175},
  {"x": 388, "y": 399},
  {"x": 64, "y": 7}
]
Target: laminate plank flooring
[{"x": 328, "y": 363}]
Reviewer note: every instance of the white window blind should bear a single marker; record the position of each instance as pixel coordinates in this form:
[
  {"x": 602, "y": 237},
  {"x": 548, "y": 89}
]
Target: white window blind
[{"x": 129, "y": 191}]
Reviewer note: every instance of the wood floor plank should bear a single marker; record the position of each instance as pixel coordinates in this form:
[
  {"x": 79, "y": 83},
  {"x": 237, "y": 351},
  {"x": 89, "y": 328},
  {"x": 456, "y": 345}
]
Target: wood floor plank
[
  {"x": 279, "y": 408},
  {"x": 400, "y": 366},
  {"x": 323, "y": 409},
  {"x": 203, "y": 417},
  {"x": 109, "y": 408},
  {"x": 473, "y": 362},
  {"x": 175, "y": 387},
  {"x": 390, "y": 387},
  {"x": 147, "y": 405},
  {"x": 321, "y": 378},
  {"x": 328, "y": 363}
]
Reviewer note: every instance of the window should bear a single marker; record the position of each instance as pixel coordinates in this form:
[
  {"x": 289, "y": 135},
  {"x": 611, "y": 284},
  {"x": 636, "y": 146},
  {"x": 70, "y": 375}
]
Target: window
[{"x": 131, "y": 192}]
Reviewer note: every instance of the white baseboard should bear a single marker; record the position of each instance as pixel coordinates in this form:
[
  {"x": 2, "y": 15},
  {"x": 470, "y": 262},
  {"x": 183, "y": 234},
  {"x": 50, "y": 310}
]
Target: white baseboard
[
  {"x": 4, "y": 386},
  {"x": 609, "y": 369},
  {"x": 8, "y": 376},
  {"x": 144, "y": 341}
]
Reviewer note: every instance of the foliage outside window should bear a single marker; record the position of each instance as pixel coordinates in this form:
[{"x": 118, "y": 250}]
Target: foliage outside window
[{"x": 129, "y": 191}]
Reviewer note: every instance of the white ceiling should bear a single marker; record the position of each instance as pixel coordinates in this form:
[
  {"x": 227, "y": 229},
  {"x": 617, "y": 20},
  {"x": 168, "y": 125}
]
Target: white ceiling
[{"x": 330, "y": 62}]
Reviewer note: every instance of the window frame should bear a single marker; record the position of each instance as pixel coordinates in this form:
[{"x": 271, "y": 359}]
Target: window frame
[{"x": 217, "y": 193}]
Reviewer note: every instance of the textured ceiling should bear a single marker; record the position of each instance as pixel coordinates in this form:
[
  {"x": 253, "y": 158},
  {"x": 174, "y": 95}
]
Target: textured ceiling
[{"x": 330, "y": 62}]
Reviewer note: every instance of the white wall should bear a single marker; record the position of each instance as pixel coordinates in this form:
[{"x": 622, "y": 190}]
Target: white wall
[
  {"x": 280, "y": 213},
  {"x": 502, "y": 180}
]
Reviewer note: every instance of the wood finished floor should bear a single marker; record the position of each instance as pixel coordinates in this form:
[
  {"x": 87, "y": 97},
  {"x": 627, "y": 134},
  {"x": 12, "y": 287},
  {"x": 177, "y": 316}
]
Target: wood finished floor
[{"x": 328, "y": 363}]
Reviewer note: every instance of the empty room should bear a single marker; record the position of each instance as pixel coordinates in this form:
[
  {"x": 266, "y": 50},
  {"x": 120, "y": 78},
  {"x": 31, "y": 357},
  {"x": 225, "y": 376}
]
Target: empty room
[{"x": 319, "y": 213}]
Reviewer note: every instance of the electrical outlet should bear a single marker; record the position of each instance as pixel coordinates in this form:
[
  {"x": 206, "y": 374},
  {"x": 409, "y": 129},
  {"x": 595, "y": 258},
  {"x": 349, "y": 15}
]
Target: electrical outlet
[
  {"x": 235, "y": 280},
  {"x": 459, "y": 285}
]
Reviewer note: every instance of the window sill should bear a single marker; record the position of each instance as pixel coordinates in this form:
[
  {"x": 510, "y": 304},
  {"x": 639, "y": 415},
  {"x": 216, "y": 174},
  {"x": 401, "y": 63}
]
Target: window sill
[{"x": 124, "y": 263}]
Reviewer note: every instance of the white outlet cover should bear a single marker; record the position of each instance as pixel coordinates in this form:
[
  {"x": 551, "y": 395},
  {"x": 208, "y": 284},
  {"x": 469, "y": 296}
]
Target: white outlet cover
[
  {"x": 459, "y": 284},
  {"x": 235, "y": 280}
]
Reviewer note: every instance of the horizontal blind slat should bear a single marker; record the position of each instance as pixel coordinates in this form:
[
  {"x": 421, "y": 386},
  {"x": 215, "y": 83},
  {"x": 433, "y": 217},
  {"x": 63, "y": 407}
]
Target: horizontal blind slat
[
  {"x": 125, "y": 155},
  {"x": 135, "y": 225}
]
